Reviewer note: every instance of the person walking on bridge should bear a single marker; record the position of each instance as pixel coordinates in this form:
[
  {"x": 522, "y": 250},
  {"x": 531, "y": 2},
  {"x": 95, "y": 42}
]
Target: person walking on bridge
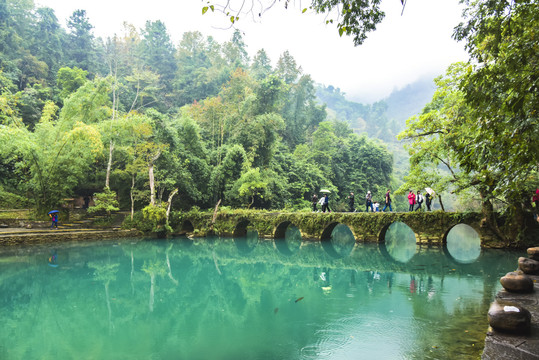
[
  {"x": 388, "y": 201},
  {"x": 428, "y": 200},
  {"x": 325, "y": 206},
  {"x": 411, "y": 200},
  {"x": 419, "y": 200},
  {"x": 314, "y": 202},
  {"x": 351, "y": 202},
  {"x": 368, "y": 202}
]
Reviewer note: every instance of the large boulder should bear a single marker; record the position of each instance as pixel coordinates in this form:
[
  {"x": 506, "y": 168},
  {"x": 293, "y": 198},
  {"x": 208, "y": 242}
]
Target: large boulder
[
  {"x": 509, "y": 317},
  {"x": 528, "y": 266},
  {"x": 518, "y": 283}
]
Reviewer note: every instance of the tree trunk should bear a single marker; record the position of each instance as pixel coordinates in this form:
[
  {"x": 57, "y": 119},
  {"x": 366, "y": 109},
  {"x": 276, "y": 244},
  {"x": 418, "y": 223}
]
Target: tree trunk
[
  {"x": 215, "y": 212},
  {"x": 109, "y": 164},
  {"x": 489, "y": 216},
  {"x": 152, "y": 184},
  {"x": 170, "y": 202},
  {"x": 152, "y": 291},
  {"x": 441, "y": 203},
  {"x": 132, "y": 196},
  {"x": 113, "y": 66},
  {"x": 152, "y": 179}
]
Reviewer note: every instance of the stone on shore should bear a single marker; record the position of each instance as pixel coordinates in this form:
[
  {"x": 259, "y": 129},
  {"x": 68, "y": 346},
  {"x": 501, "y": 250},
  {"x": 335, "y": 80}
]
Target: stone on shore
[
  {"x": 533, "y": 253},
  {"x": 528, "y": 266},
  {"x": 518, "y": 283},
  {"x": 509, "y": 317}
]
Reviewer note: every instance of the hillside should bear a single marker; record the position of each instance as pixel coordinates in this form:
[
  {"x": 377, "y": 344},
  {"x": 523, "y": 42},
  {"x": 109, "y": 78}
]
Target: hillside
[{"x": 383, "y": 119}]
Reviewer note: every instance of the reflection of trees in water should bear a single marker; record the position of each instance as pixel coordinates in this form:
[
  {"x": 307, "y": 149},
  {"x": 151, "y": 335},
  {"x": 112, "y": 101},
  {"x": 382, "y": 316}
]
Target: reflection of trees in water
[
  {"x": 342, "y": 239},
  {"x": 400, "y": 242},
  {"x": 460, "y": 324},
  {"x": 463, "y": 243},
  {"x": 106, "y": 272},
  {"x": 153, "y": 268},
  {"x": 169, "y": 268},
  {"x": 293, "y": 238}
]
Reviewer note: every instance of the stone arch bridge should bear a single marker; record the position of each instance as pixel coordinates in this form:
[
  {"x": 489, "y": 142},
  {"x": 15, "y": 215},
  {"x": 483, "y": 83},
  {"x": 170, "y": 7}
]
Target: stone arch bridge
[{"x": 430, "y": 228}]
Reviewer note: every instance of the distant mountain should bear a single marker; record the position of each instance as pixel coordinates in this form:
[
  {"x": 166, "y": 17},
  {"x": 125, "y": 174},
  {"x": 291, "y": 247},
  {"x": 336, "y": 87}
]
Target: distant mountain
[
  {"x": 410, "y": 100},
  {"x": 383, "y": 119},
  {"x": 371, "y": 119}
]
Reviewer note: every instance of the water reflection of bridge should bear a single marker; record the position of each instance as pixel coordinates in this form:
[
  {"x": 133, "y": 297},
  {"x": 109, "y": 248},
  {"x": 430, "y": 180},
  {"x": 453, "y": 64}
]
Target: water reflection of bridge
[
  {"x": 429, "y": 228},
  {"x": 362, "y": 257}
]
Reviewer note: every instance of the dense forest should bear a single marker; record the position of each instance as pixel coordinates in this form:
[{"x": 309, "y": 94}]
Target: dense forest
[
  {"x": 140, "y": 119},
  {"x": 137, "y": 117}
]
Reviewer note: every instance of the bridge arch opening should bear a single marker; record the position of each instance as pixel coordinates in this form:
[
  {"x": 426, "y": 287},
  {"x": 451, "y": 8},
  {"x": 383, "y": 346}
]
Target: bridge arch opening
[
  {"x": 245, "y": 236},
  {"x": 287, "y": 238},
  {"x": 338, "y": 240},
  {"x": 398, "y": 242},
  {"x": 462, "y": 244},
  {"x": 187, "y": 227}
]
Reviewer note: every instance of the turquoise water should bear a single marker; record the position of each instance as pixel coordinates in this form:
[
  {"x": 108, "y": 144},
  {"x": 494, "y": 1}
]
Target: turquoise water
[{"x": 247, "y": 299}]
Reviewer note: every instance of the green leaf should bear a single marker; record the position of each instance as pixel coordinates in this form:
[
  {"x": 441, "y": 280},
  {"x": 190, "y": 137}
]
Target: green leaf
[
  {"x": 204, "y": 10},
  {"x": 304, "y": 10}
]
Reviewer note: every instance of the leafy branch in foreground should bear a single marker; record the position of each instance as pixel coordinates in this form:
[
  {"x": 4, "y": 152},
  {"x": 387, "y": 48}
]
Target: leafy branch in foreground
[{"x": 353, "y": 18}]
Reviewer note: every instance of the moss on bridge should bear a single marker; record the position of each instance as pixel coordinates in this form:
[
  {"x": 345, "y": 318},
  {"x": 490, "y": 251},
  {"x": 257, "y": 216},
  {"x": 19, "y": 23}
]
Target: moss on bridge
[{"x": 429, "y": 227}]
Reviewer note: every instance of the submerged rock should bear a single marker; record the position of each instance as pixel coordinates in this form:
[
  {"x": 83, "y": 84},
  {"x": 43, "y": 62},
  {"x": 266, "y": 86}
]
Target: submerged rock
[
  {"x": 515, "y": 282},
  {"x": 509, "y": 317},
  {"x": 528, "y": 266}
]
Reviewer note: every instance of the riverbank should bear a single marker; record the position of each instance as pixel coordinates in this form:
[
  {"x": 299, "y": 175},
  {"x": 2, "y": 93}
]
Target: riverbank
[
  {"x": 22, "y": 236},
  {"x": 516, "y": 343}
]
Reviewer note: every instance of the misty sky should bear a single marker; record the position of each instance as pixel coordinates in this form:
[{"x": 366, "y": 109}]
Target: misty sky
[{"x": 402, "y": 49}]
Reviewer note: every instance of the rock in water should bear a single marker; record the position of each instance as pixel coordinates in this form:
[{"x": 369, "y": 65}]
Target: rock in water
[
  {"x": 533, "y": 253},
  {"x": 519, "y": 283},
  {"x": 528, "y": 266},
  {"x": 508, "y": 317}
]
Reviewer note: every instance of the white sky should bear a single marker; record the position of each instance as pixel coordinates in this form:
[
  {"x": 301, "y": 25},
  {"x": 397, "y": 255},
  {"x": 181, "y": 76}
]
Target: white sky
[{"x": 401, "y": 50}]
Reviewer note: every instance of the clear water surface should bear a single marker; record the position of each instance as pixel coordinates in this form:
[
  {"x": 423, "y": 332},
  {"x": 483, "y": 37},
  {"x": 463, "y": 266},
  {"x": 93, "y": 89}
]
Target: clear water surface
[{"x": 249, "y": 298}]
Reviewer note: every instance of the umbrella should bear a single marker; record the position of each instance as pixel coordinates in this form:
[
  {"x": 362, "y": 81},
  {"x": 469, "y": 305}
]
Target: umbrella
[
  {"x": 430, "y": 191},
  {"x": 325, "y": 191},
  {"x": 53, "y": 211}
]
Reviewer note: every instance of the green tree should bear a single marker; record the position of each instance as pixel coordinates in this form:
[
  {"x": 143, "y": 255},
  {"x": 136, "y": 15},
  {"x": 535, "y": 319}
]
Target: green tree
[
  {"x": 69, "y": 80},
  {"x": 503, "y": 91},
  {"x": 48, "y": 38},
  {"x": 251, "y": 184},
  {"x": 235, "y": 51},
  {"x": 80, "y": 47},
  {"x": 158, "y": 53},
  {"x": 200, "y": 72},
  {"x": 53, "y": 159},
  {"x": 445, "y": 156},
  {"x": 104, "y": 201},
  {"x": 261, "y": 65}
]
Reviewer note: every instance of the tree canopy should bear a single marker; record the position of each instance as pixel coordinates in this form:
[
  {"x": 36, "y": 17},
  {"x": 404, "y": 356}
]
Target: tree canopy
[
  {"x": 480, "y": 130},
  {"x": 138, "y": 118}
]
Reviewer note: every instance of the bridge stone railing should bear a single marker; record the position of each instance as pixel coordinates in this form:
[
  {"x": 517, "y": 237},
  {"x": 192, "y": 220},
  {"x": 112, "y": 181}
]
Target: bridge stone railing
[{"x": 430, "y": 228}]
